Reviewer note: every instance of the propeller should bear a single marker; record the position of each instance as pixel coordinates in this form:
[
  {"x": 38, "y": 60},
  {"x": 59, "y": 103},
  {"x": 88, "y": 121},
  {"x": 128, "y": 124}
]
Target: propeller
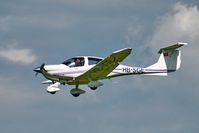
[
  {"x": 39, "y": 69},
  {"x": 42, "y": 66}
]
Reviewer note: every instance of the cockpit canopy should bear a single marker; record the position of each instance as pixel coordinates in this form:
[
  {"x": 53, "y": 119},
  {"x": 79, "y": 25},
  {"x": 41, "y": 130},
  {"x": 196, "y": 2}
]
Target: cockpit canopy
[
  {"x": 82, "y": 61},
  {"x": 93, "y": 60},
  {"x": 74, "y": 62}
]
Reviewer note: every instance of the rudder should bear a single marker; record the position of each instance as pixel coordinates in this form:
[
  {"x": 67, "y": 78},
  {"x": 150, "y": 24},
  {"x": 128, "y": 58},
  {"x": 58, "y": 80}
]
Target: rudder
[{"x": 172, "y": 60}]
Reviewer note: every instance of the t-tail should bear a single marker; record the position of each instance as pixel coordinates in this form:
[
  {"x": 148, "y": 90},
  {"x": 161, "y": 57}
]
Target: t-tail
[{"x": 169, "y": 61}]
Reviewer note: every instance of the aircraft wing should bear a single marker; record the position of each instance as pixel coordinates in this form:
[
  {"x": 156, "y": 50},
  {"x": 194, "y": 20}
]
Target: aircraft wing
[{"x": 103, "y": 68}]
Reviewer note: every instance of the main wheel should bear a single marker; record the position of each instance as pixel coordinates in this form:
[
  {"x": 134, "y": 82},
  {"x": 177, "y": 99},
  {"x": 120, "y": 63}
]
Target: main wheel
[
  {"x": 93, "y": 88},
  {"x": 75, "y": 95}
]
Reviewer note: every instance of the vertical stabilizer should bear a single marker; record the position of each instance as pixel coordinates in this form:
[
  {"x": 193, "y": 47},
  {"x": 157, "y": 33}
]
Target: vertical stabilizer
[{"x": 169, "y": 61}]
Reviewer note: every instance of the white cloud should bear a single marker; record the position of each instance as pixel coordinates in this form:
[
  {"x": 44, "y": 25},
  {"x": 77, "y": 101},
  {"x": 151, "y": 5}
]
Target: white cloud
[
  {"x": 180, "y": 24},
  {"x": 16, "y": 55}
]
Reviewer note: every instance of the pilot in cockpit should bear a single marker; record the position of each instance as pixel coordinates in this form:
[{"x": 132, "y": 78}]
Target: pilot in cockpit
[{"x": 77, "y": 62}]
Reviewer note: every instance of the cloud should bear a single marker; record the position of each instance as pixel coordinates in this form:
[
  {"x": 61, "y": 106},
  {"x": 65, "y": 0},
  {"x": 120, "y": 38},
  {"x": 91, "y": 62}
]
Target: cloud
[
  {"x": 3, "y": 23},
  {"x": 180, "y": 24},
  {"x": 133, "y": 33},
  {"x": 21, "y": 56}
]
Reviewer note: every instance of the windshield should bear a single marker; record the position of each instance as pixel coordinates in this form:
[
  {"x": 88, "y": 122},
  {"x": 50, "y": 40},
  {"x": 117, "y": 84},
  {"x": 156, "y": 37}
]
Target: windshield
[{"x": 74, "y": 62}]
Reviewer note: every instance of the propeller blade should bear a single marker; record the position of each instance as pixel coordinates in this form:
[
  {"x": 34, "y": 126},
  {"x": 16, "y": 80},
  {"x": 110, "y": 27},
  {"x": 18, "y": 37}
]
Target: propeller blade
[
  {"x": 39, "y": 69},
  {"x": 36, "y": 73},
  {"x": 42, "y": 66}
]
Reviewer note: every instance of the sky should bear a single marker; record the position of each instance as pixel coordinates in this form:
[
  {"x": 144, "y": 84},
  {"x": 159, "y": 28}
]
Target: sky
[{"x": 51, "y": 31}]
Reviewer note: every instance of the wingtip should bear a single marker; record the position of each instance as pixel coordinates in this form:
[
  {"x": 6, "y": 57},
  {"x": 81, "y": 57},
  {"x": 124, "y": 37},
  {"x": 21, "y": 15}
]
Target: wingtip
[
  {"x": 124, "y": 49},
  {"x": 182, "y": 43}
]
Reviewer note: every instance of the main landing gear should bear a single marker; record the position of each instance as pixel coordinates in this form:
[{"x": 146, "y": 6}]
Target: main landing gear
[
  {"x": 93, "y": 88},
  {"x": 76, "y": 91}
]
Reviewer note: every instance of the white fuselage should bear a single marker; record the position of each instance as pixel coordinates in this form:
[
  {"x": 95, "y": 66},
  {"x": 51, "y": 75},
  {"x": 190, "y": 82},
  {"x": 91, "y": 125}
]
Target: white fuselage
[{"x": 54, "y": 72}]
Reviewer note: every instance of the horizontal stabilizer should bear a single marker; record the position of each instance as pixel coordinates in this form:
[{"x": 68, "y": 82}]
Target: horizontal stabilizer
[{"x": 173, "y": 47}]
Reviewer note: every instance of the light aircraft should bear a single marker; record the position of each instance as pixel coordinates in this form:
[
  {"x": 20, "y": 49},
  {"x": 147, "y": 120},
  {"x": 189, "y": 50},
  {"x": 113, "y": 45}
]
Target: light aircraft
[{"x": 90, "y": 70}]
